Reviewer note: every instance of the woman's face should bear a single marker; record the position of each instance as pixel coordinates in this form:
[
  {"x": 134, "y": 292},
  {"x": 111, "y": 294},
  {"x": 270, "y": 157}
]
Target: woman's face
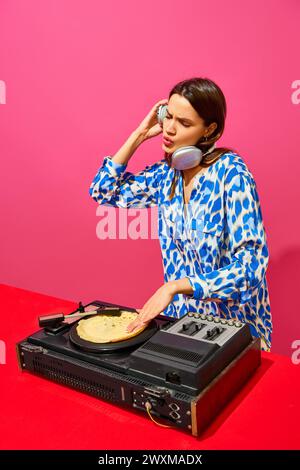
[{"x": 182, "y": 124}]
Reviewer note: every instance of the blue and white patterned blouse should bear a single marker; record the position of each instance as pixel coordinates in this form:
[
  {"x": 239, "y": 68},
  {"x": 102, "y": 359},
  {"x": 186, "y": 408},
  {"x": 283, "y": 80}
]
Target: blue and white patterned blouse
[{"x": 217, "y": 240}]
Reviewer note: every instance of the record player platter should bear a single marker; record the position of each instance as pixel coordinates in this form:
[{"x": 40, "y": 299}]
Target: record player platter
[{"x": 84, "y": 329}]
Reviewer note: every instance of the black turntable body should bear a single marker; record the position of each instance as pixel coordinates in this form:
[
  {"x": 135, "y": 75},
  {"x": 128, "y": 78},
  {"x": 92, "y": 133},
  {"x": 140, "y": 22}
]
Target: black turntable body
[{"x": 182, "y": 371}]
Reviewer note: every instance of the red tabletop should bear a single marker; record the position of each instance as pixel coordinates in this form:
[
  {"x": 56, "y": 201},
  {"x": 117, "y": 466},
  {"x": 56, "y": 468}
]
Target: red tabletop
[{"x": 40, "y": 414}]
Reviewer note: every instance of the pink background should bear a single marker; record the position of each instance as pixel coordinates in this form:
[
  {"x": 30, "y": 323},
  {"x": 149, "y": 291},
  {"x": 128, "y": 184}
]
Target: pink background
[{"x": 81, "y": 75}]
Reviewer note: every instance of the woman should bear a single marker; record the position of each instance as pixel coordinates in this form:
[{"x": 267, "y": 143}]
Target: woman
[{"x": 211, "y": 231}]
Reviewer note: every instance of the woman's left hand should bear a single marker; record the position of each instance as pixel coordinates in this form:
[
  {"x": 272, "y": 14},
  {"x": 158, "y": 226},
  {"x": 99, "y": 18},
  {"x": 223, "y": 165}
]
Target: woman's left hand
[{"x": 154, "y": 306}]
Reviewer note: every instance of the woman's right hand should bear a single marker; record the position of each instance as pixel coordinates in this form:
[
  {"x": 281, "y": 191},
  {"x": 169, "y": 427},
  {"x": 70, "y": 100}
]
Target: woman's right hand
[{"x": 150, "y": 126}]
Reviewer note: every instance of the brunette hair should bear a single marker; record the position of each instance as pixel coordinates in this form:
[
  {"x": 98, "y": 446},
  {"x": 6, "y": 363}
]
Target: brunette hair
[{"x": 208, "y": 100}]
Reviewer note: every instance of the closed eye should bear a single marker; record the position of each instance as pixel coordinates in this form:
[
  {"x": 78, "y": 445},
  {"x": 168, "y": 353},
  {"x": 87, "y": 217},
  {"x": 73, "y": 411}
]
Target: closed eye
[{"x": 185, "y": 125}]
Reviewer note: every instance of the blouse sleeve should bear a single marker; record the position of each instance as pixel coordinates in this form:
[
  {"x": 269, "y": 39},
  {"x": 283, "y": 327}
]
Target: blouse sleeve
[
  {"x": 248, "y": 251},
  {"x": 114, "y": 186}
]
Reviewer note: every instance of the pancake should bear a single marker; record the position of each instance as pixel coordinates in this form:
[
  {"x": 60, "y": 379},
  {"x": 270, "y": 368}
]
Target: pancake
[{"x": 105, "y": 328}]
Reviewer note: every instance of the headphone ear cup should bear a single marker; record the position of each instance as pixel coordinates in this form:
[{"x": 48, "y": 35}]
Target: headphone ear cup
[
  {"x": 161, "y": 113},
  {"x": 187, "y": 157}
]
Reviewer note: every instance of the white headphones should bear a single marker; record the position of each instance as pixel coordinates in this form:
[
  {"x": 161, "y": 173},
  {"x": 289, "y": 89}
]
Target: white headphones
[{"x": 186, "y": 157}]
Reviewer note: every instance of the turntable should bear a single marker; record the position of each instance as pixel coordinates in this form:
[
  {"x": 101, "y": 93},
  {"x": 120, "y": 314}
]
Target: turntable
[{"x": 181, "y": 372}]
